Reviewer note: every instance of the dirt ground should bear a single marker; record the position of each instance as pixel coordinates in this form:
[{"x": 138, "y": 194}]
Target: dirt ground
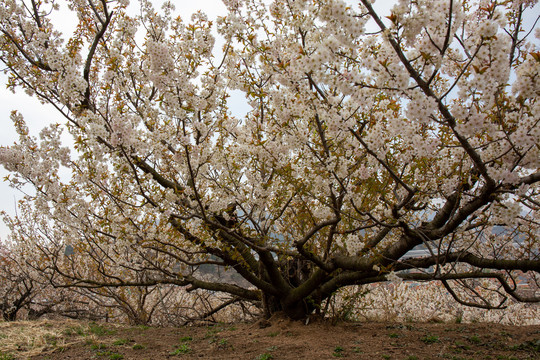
[{"x": 278, "y": 338}]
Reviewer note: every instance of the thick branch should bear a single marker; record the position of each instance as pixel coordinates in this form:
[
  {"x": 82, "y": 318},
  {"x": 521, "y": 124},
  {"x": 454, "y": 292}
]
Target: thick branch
[{"x": 471, "y": 259}]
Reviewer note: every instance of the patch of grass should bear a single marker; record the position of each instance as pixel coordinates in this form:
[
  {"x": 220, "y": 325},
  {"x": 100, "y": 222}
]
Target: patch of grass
[
  {"x": 180, "y": 350},
  {"x": 99, "y": 330},
  {"x": 475, "y": 339},
  {"x": 98, "y": 346},
  {"x": 138, "y": 347},
  {"x": 31, "y": 338},
  {"x": 386, "y": 357},
  {"x": 264, "y": 356},
  {"x": 338, "y": 351},
  {"x": 120, "y": 342},
  {"x": 112, "y": 355},
  {"x": 74, "y": 330},
  {"x": 531, "y": 345},
  {"x": 223, "y": 343},
  {"x": 212, "y": 331},
  {"x": 186, "y": 338},
  {"x": 51, "y": 339},
  {"x": 412, "y": 357},
  {"x": 274, "y": 334},
  {"x": 430, "y": 339},
  {"x": 6, "y": 356},
  {"x": 461, "y": 345},
  {"x": 393, "y": 335}
]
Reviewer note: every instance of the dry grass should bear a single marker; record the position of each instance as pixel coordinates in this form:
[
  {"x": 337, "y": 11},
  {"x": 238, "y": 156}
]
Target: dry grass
[
  {"x": 23, "y": 339},
  {"x": 279, "y": 338}
]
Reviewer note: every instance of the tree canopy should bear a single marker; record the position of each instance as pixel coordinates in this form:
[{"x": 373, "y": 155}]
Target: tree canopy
[{"x": 368, "y": 136}]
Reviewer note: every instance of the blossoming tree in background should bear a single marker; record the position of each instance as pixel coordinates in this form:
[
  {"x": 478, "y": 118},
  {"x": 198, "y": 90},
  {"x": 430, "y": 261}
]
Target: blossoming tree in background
[{"x": 359, "y": 147}]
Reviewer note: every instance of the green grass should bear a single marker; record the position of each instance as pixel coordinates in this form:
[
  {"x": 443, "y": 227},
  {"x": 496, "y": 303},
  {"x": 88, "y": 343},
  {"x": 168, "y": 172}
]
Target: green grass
[
  {"x": 99, "y": 330},
  {"x": 338, "y": 351},
  {"x": 531, "y": 345},
  {"x": 6, "y": 356},
  {"x": 265, "y": 356},
  {"x": 461, "y": 345},
  {"x": 393, "y": 335},
  {"x": 430, "y": 339},
  {"x": 111, "y": 355},
  {"x": 138, "y": 347},
  {"x": 186, "y": 338},
  {"x": 74, "y": 330},
  {"x": 180, "y": 350},
  {"x": 98, "y": 346},
  {"x": 51, "y": 339},
  {"x": 120, "y": 342},
  {"x": 212, "y": 331},
  {"x": 223, "y": 343}
]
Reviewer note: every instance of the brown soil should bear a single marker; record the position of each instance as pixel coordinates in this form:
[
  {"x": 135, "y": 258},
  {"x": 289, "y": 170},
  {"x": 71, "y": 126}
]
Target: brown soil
[{"x": 280, "y": 338}]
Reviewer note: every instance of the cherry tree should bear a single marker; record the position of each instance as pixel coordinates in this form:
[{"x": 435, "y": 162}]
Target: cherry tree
[
  {"x": 368, "y": 136},
  {"x": 16, "y": 288}
]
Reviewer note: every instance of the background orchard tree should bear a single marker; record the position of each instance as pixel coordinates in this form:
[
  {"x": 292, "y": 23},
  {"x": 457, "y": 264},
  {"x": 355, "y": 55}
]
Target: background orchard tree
[
  {"x": 17, "y": 289},
  {"x": 359, "y": 146},
  {"x": 27, "y": 294}
]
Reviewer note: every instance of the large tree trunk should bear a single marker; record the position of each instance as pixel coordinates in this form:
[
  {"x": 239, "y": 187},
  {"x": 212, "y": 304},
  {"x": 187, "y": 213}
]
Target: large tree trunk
[
  {"x": 10, "y": 315},
  {"x": 296, "y": 272},
  {"x": 296, "y": 311}
]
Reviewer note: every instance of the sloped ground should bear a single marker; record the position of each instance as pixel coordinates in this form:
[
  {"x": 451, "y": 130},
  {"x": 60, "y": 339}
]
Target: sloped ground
[{"x": 278, "y": 338}]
